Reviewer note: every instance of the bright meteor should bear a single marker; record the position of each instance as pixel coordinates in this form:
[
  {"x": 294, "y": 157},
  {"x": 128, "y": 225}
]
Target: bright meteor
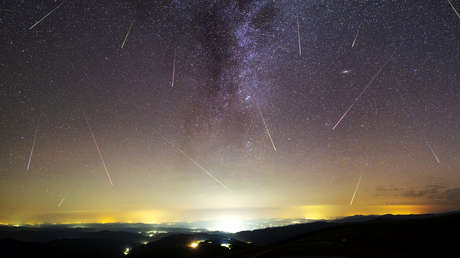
[
  {"x": 298, "y": 37},
  {"x": 127, "y": 34},
  {"x": 173, "y": 70},
  {"x": 44, "y": 17},
  {"x": 98, "y": 151},
  {"x": 354, "y": 41},
  {"x": 362, "y": 92},
  {"x": 356, "y": 190},
  {"x": 453, "y": 8},
  {"x": 266, "y": 127},
  {"x": 33, "y": 143},
  {"x": 434, "y": 154}
]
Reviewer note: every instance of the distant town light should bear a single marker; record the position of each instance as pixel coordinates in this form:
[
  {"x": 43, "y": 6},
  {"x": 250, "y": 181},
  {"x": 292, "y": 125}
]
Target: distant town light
[
  {"x": 230, "y": 224},
  {"x": 195, "y": 244},
  {"x": 226, "y": 245},
  {"x": 154, "y": 232}
]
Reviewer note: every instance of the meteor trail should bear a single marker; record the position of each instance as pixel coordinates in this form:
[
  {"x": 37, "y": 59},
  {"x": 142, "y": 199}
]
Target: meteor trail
[
  {"x": 354, "y": 41},
  {"x": 198, "y": 165},
  {"x": 298, "y": 36},
  {"x": 356, "y": 189},
  {"x": 98, "y": 151},
  {"x": 453, "y": 8},
  {"x": 33, "y": 143},
  {"x": 434, "y": 154},
  {"x": 44, "y": 17},
  {"x": 61, "y": 201},
  {"x": 266, "y": 127},
  {"x": 362, "y": 92},
  {"x": 173, "y": 69},
  {"x": 127, "y": 34}
]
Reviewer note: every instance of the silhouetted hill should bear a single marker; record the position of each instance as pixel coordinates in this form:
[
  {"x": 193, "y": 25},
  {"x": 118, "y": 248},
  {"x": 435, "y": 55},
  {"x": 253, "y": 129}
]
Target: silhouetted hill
[
  {"x": 72, "y": 248},
  {"x": 277, "y": 234},
  {"x": 46, "y": 235},
  {"x": 357, "y": 236},
  {"x": 384, "y": 236},
  {"x": 272, "y": 235}
]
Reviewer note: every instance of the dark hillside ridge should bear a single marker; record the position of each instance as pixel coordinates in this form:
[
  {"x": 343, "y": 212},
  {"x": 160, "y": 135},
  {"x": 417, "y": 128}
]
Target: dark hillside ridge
[{"x": 357, "y": 236}]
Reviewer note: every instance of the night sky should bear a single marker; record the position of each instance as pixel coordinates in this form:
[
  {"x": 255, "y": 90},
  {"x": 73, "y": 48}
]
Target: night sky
[{"x": 163, "y": 111}]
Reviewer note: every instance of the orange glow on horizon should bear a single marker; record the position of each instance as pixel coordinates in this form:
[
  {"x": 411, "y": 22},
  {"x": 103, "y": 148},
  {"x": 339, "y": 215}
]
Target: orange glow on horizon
[{"x": 315, "y": 212}]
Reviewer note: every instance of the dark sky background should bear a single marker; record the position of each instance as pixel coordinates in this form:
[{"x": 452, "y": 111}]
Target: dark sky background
[{"x": 93, "y": 129}]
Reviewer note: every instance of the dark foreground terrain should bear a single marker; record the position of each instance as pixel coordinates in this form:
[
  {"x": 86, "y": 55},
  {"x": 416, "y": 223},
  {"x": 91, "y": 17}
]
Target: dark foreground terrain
[{"x": 358, "y": 236}]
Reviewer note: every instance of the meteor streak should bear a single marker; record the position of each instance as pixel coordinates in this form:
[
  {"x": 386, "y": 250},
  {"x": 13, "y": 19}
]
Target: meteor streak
[
  {"x": 127, "y": 34},
  {"x": 61, "y": 201},
  {"x": 434, "y": 154},
  {"x": 354, "y": 41},
  {"x": 298, "y": 36},
  {"x": 356, "y": 189},
  {"x": 98, "y": 151},
  {"x": 44, "y": 17},
  {"x": 362, "y": 92},
  {"x": 266, "y": 127},
  {"x": 198, "y": 165},
  {"x": 173, "y": 69},
  {"x": 453, "y": 8},
  {"x": 33, "y": 143}
]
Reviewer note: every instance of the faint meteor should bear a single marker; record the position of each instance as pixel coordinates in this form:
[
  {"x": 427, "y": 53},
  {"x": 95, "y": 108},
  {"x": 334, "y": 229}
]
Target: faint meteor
[
  {"x": 44, "y": 17},
  {"x": 453, "y": 8},
  {"x": 298, "y": 36},
  {"x": 60, "y": 202},
  {"x": 356, "y": 189},
  {"x": 354, "y": 41},
  {"x": 434, "y": 153},
  {"x": 127, "y": 34},
  {"x": 98, "y": 151},
  {"x": 198, "y": 165},
  {"x": 266, "y": 127},
  {"x": 362, "y": 92},
  {"x": 33, "y": 143},
  {"x": 173, "y": 69}
]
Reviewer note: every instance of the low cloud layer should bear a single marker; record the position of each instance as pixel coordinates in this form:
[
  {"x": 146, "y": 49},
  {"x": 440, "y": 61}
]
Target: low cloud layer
[{"x": 436, "y": 193}]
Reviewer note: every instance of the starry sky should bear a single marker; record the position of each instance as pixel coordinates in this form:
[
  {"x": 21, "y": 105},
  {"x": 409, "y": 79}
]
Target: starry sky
[{"x": 163, "y": 111}]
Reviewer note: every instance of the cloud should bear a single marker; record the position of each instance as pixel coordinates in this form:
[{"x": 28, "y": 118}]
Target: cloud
[
  {"x": 451, "y": 196},
  {"x": 438, "y": 193},
  {"x": 428, "y": 190}
]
